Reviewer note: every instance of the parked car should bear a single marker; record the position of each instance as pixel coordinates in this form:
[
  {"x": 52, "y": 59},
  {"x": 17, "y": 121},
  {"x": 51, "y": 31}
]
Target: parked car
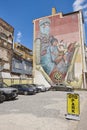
[
  {"x": 61, "y": 87},
  {"x": 24, "y": 89},
  {"x": 8, "y": 92},
  {"x": 2, "y": 97},
  {"x": 33, "y": 86},
  {"x": 36, "y": 87},
  {"x": 41, "y": 88}
]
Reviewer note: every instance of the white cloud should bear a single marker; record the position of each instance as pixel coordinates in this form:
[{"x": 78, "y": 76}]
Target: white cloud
[
  {"x": 85, "y": 6},
  {"x": 19, "y": 35},
  {"x": 81, "y": 4}
]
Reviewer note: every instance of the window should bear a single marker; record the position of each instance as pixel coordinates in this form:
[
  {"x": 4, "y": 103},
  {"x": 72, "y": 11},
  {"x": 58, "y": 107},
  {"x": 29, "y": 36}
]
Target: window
[{"x": 17, "y": 65}]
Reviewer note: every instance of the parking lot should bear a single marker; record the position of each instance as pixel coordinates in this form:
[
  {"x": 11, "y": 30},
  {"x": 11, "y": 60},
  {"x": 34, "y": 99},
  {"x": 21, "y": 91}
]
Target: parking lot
[{"x": 42, "y": 111}]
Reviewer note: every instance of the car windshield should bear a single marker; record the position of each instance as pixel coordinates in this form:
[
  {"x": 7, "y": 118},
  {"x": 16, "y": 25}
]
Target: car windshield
[
  {"x": 3, "y": 85},
  {"x": 29, "y": 85},
  {"x": 24, "y": 85}
]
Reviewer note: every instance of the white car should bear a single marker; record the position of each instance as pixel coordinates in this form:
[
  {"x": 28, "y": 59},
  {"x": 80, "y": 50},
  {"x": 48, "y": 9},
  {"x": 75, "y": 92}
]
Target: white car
[{"x": 41, "y": 87}]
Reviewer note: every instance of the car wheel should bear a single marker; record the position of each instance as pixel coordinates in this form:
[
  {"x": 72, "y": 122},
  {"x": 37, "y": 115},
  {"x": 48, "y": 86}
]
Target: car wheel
[
  {"x": 25, "y": 93},
  {"x": 2, "y": 99},
  {"x": 69, "y": 89},
  {"x": 34, "y": 92},
  {"x": 54, "y": 89},
  {"x": 13, "y": 98},
  {"x": 39, "y": 91}
]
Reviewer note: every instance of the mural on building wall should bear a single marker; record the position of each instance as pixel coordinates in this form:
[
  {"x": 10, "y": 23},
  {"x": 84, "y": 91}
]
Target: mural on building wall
[{"x": 53, "y": 53}]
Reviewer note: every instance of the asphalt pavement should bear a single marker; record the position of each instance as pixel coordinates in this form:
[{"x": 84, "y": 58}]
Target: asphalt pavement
[
  {"x": 43, "y": 111},
  {"x": 82, "y": 124}
]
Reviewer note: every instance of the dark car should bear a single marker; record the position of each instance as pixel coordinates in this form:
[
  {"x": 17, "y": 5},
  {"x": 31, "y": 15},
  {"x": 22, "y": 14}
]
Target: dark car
[
  {"x": 36, "y": 87},
  {"x": 8, "y": 92},
  {"x": 61, "y": 87},
  {"x": 24, "y": 89},
  {"x": 33, "y": 86},
  {"x": 2, "y": 97}
]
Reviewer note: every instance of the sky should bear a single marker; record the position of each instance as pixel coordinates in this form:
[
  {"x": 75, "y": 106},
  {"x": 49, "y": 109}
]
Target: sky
[{"x": 21, "y": 13}]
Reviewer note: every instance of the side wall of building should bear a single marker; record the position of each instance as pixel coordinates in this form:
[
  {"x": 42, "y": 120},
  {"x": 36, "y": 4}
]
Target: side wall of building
[{"x": 58, "y": 49}]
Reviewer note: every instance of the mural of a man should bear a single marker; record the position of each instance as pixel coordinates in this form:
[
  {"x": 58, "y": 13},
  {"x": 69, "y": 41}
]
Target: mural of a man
[
  {"x": 45, "y": 37},
  {"x": 51, "y": 54},
  {"x": 42, "y": 41}
]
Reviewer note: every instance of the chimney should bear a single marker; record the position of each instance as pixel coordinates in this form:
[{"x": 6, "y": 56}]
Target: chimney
[{"x": 53, "y": 11}]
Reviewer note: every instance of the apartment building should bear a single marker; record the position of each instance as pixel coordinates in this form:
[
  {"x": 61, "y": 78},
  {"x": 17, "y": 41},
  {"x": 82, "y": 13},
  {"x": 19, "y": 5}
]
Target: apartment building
[
  {"x": 22, "y": 61},
  {"x": 15, "y": 59},
  {"x": 6, "y": 43}
]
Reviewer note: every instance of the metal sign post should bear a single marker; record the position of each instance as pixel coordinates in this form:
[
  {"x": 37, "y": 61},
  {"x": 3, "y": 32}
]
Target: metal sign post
[{"x": 73, "y": 106}]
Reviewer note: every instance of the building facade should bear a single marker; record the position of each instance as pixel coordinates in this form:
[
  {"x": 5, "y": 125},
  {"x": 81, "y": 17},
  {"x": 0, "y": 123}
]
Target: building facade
[
  {"x": 22, "y": 61},
  {"x": 59, "y": 51},
  {"x": 6, "y": 43},
  {"x": 15, "y": 59}
]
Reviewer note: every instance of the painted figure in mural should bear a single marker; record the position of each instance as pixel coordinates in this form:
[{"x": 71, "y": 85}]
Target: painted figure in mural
[
  {"x": 45, "y": 56},
  {"x": 59, "y": 57},
  {"x": 58, "y": 51},
  {"x": 53, "y": 55},
  {"x": 42, "y": 41}
]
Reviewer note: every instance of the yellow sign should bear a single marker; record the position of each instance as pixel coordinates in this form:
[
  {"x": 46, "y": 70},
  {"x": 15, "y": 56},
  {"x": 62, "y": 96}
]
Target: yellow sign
[{"x": 73, "y": 107}]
